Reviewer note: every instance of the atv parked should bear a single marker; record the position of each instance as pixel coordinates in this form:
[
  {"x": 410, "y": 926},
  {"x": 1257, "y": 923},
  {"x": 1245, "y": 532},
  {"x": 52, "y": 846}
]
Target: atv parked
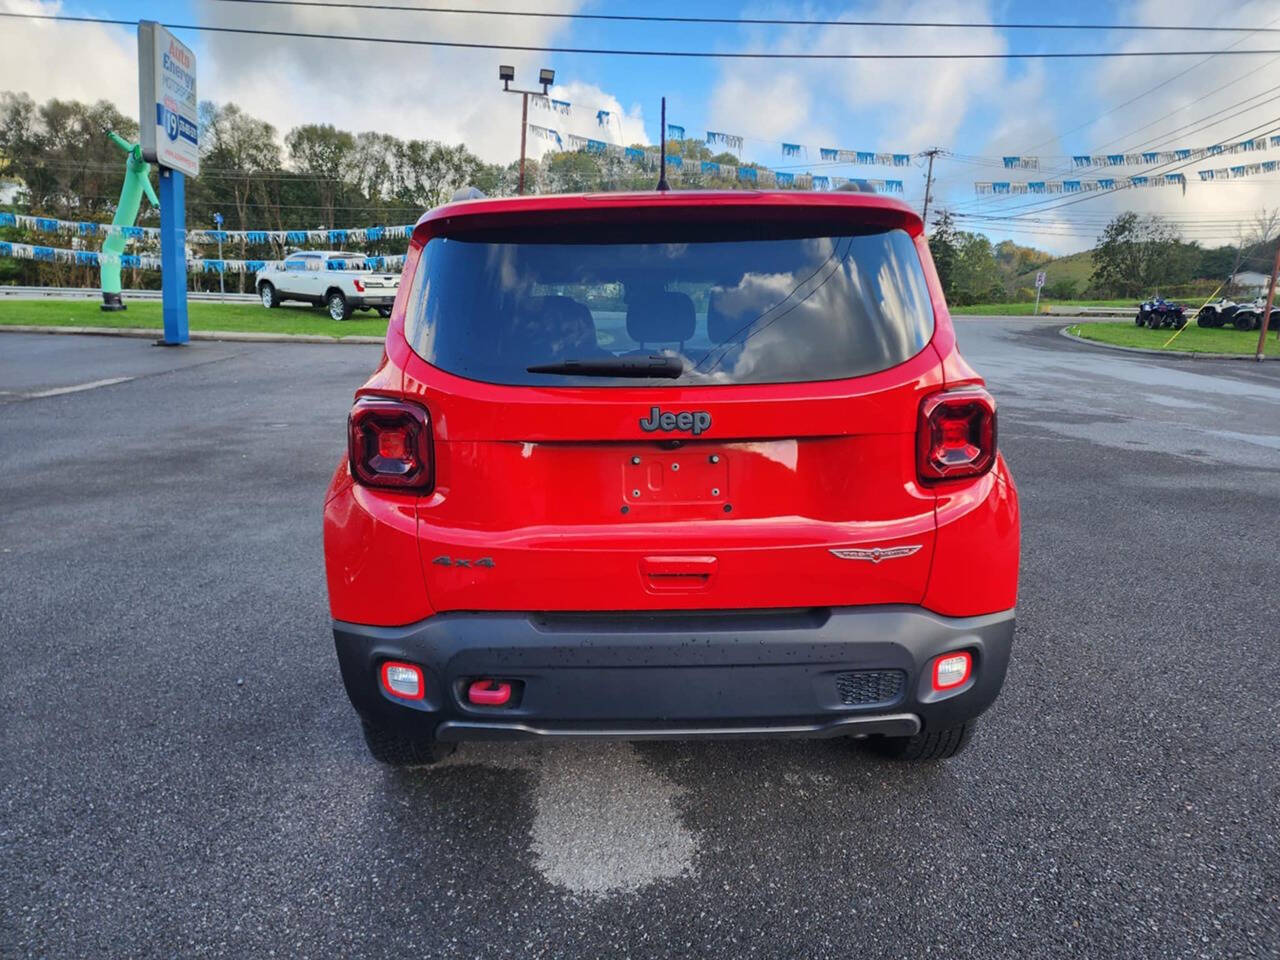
[
  {"x": 1160, "y": 312},
  {"x": 1219, "y": 313},
  {"x": 1249, "y": 315}
]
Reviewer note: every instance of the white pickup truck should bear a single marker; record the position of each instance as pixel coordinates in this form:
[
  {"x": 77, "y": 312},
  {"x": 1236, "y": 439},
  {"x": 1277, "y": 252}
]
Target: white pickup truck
[{"x": 324, "y": 277}]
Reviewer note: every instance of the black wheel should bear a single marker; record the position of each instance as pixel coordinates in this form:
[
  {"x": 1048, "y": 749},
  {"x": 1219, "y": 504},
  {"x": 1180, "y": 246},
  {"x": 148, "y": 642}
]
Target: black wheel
[
  {"x": 927, "y": 745},
  {"x": 1153, "y": 321},
  {"x": 384, "y": 312},
  {"x": 1141, "y": 318},
  {"x": 339, "y": 309},
  {"x": 1244, "y": 321},
  {"x": 400, "y": 751},
  {"x": 270, "y": 298},
  {"x": 1205, "y": 318}
]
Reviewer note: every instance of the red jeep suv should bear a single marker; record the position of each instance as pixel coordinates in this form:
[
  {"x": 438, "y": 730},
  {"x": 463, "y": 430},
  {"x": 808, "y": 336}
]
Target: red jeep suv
[{"x": 671, "y": 465}]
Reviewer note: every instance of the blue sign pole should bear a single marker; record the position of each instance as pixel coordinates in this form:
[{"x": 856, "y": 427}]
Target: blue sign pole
[{"x": 173, "y": 257}]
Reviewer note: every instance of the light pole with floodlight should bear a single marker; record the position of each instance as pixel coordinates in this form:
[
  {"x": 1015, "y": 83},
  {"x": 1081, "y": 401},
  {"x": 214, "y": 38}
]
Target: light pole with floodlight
[{"x": 508, "y": 75}]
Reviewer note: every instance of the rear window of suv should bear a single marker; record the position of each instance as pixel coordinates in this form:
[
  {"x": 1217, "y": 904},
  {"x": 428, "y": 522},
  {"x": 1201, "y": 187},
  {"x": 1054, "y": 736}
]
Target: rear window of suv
[{"x": 765, "y": 309}]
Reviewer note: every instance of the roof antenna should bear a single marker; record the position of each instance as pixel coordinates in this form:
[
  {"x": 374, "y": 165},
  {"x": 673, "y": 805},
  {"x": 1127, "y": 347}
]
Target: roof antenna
[{"x": 662, "y": 136}]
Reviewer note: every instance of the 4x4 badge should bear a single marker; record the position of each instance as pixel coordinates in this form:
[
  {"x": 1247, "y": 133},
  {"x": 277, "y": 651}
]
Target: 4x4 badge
[
  {"x": 876, "y": 554},
  {"x": 694, "y": 421}
]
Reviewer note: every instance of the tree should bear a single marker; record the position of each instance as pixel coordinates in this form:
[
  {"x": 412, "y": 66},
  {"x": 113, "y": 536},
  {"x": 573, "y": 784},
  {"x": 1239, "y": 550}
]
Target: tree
[
  {"x": 1136, "y": 255},
  {"x": 324, "y": 153},
  {"x": 944, "y": 247},
  {"x": 243, "y": 151},
  {"x": 1259, "y": 233},
  {"x": 976, "y": 278}
]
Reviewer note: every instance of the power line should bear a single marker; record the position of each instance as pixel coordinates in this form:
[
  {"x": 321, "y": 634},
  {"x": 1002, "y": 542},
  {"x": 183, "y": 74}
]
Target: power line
[
  {"x": 1159, "y": 86},
  {"x": 679, "y": 54},
  {"x": 756, "y": 21}
]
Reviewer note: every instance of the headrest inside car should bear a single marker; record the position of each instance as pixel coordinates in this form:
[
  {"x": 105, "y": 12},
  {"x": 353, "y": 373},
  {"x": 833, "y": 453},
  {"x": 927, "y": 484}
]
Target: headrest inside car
[
  {"x": 661, "y": 317},
  {"x": 554, "y": 328}
]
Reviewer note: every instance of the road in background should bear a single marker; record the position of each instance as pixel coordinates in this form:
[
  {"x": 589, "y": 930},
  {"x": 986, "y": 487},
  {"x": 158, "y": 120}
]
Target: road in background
[{"x": 181, "y": 774}]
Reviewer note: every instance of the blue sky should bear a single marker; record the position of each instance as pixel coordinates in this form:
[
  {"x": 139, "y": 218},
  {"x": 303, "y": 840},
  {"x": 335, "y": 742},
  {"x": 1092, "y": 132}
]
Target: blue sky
[{"x": 976, "y": 108}]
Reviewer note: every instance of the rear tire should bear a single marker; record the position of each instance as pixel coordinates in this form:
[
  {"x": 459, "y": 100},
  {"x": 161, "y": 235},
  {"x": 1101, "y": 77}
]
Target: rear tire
[
  {"x": 337, "y": 304},
  {"x": 927, "y": 745},
  {"x": 270, "y": 298},
  {"x": 1244, "y": 321},
  {"x": 396, "y": 750}
]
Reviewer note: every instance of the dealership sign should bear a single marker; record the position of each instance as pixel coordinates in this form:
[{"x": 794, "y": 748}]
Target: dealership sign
[{"x": 170, "y": 131}]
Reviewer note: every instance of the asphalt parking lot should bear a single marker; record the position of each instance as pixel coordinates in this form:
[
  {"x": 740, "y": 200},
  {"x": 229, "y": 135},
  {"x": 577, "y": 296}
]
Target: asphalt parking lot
[{"x": 181, "y": 773}]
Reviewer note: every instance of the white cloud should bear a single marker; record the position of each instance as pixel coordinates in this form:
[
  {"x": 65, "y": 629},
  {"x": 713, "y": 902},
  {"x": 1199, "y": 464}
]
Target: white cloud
[
  {"x": 48, "y": 59},
  {"x": 1208, "y": 212},
  {"x": 412, "y": 92},
  {"x": 921, "y": 103}
]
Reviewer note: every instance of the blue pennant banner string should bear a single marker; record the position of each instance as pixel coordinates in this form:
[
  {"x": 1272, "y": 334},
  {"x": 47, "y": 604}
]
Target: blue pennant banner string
[
  {"x": 730, "y": 140},
  {"x": 1080, "y": 186},
  {"x": 1148, "y": 157},
  {"x": 93, "y": 258},
  {"x": 90, "y": 229},
  {"x": 675, "y": 131},
  {"x": 1244, "y": 170}
]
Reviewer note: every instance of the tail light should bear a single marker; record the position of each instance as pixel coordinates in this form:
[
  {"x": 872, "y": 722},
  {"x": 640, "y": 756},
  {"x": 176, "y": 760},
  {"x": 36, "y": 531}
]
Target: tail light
[
  {"x": 359, "y": 285},
  {"x": 956, "y": 438},
  {"x": 389, "y": 442}
]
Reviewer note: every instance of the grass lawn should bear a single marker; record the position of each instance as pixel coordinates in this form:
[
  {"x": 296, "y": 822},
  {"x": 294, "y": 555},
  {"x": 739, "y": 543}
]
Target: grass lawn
[
  {"x": 1193, "y": 339},
  {"x": 237, "y": 317},
  {"x": 1025, "y": 309}
]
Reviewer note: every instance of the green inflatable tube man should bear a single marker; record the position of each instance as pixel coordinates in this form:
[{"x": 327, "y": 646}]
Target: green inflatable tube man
[{"x": 137, "y": 180}]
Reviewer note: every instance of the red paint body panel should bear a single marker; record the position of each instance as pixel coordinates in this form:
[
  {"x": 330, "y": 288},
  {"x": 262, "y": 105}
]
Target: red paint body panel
[
  {"x": 975, "y": 559},
  {"x": 372, "y": 560},
  {"x": 541, "y": 481}
]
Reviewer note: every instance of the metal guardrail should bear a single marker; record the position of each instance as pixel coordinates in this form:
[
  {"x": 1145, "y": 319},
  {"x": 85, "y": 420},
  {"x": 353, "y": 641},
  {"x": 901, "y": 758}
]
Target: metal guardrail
[
  {"x": 1092, "y": 311},
  {"x": 87, "y": 293}
]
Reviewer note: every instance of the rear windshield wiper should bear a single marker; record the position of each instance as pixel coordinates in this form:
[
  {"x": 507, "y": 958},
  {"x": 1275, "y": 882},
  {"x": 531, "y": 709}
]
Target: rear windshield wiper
[{"x": 651, "y": 366}]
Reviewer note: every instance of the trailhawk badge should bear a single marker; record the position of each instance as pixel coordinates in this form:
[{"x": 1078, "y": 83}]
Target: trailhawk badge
[{"x": 876, "y": 554}]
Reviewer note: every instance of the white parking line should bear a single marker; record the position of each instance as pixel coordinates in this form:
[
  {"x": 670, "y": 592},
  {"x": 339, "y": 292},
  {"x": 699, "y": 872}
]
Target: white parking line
[{"x": 77, "y": 388}]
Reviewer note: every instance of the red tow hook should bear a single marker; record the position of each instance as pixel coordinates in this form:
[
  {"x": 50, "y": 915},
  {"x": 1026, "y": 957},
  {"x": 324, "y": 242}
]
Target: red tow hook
[{"x": 489, "y": 693}]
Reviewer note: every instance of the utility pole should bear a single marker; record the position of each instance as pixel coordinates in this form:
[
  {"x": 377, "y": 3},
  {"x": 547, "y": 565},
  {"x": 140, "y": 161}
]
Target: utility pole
[
  {"x": 662, "y": 139},
  {"x": 507, "y": 75},
  {"x": 1266, "y": 314},
  {"x": 928, "y": 186}
]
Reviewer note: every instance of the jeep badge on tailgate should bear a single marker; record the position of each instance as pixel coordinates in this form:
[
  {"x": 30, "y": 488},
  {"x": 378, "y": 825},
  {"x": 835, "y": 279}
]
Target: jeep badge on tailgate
[{"x": 695, "y": 421}]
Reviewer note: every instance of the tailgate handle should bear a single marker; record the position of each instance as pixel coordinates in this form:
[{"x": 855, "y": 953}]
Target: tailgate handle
[{"x": 678, "y": 573}]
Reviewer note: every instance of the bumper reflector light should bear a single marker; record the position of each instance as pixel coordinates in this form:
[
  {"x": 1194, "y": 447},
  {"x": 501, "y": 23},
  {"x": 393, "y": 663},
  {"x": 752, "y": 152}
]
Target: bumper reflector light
[
  {"x": 489, "y": 693},
  {"x": 402, "y": 680},
  {"x": 952, "y": 670}
]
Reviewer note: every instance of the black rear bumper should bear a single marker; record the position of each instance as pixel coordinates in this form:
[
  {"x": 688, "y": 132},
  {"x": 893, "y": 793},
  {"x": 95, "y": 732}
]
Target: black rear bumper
[{"x": 822, "y": 672}]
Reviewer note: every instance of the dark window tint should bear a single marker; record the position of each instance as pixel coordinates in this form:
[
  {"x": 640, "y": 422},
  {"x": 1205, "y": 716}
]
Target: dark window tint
[{"x": 732, "y": 311}]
